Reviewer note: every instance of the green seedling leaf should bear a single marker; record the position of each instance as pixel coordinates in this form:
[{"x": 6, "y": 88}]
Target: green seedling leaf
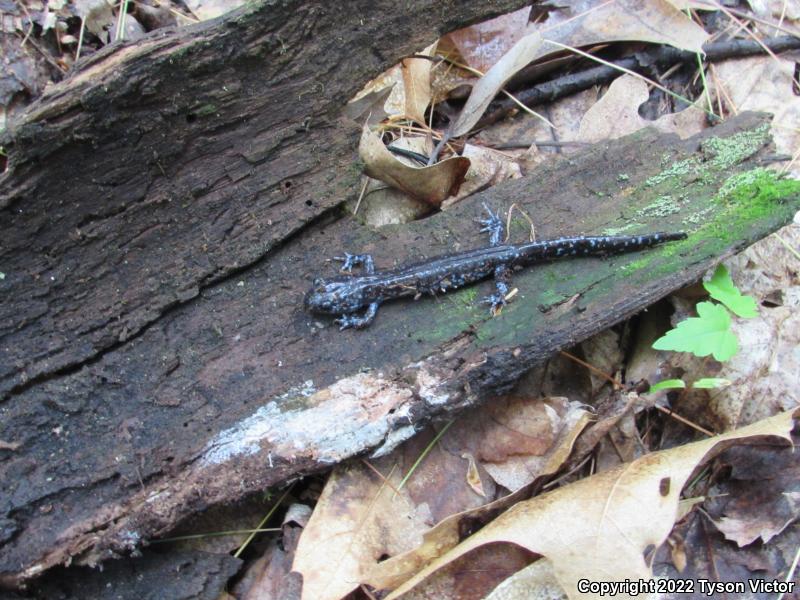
[
  {"x": 707, "y": 383},
  {"x": 668, "y": 384},
  {"x": 708, "y": 333},
  {"x": 721, "y": 288}
]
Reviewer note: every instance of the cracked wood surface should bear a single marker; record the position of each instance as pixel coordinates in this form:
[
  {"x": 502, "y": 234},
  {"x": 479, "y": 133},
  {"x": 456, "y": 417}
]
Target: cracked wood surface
[{"x": 163, "y": 363}]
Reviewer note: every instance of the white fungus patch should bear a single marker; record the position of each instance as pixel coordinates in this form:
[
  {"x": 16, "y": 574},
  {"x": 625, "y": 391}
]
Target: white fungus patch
[
  {"x": 428, "y": 386},
  {"x": 245, "y": 437},
  {"x": 353, "y": 415}
]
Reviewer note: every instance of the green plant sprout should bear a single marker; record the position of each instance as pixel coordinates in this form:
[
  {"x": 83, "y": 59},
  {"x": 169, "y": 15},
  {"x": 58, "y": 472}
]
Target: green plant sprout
[
  {"x": 704, "y": 383},
  {"x": 709, "y": 333}
]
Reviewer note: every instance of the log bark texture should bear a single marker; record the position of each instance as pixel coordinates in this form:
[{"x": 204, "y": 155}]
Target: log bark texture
[{"x": 163, "y": 214}]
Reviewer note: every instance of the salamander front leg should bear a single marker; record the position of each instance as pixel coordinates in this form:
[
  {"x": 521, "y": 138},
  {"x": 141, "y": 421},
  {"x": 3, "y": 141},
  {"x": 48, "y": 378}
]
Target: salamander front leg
[
  {"x": 358, "y": 321},
  {"x": 355, "y": 260},
  {"x": 493, "y": 226}
]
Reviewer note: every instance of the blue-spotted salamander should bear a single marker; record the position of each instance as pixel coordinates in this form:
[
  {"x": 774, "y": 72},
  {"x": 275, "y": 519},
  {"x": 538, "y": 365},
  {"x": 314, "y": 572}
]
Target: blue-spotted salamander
[{"x": 346, "y": 295}]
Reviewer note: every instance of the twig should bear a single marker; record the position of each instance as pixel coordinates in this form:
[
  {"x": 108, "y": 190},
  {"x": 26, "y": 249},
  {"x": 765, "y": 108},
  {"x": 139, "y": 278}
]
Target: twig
[
  {"x": 685, "y": 421},
  {"x": 616, "y": 384},
  {"x": 45, "y": 54}
]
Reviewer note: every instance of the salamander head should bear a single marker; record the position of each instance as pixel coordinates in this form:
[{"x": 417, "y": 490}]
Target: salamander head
[{"x": 333, "y": 297}]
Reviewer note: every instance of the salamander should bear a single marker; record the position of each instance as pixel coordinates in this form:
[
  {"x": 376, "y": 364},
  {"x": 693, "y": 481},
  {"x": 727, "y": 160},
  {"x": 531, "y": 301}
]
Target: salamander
[{"x": 345, "y": 296}]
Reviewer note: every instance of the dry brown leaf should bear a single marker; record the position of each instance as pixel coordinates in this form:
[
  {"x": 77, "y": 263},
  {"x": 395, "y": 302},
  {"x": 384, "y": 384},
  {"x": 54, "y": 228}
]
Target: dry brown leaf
[
  {"x": 604, "y": 352},
  {"x": 384, "y": 205},
  {"x": 483, "y": 44},
  {"x": 360, "y": 518},
  {"x": 447, "y": 77},
  {"x": 403, "y": 90},
  {"x": 617, "y": 114},
  {"x": 474, "y": 576},
  {"x": 784, "y": 11},
  {"x": 97, "y": 15},
  {"x": 368, "y": 107},
  {"x": 430, "y": 184},
  {"x": 474, "y": 480},
  {"x": 357, "y": 520},
  {"x": 605, "y": 522},
  {"x": 416, "y": 73},
  {"x": 622, "y": 442},
  {"x": 524, "y": 440},
  {"x": 270, "y": 577}
]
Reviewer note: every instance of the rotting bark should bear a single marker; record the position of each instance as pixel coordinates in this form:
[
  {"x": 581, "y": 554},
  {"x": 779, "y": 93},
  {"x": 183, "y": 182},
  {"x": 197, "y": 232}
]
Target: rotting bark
[{"x": 161, "y": 362}]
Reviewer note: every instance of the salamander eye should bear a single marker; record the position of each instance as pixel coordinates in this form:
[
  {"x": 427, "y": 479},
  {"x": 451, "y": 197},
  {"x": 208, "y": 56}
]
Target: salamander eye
[{"x": 318, "y": 282}]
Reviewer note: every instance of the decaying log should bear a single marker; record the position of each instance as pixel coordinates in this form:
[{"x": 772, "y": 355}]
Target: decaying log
[{"x": 163, "y": 215}]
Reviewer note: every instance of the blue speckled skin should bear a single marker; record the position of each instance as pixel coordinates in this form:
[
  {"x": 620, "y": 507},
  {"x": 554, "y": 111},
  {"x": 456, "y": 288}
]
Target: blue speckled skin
[{"x": 345, "y": 295}]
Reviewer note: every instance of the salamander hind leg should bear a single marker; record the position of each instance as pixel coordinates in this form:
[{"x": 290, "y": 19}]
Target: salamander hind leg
[
  {"x": 497, "y": 301},
  {"x": 349, "y": 261},
  {"x": 493, "y": 226},
  {"x": 358, "y": 321}
]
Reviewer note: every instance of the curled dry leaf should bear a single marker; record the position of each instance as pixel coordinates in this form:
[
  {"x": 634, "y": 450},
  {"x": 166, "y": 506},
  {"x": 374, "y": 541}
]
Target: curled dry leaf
[
  {"x": 404, "y": 90},
  {"x": 416, "y": 87},
  {"x": 430, "y": 184},
  {"x": 599, "y": 528}
]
